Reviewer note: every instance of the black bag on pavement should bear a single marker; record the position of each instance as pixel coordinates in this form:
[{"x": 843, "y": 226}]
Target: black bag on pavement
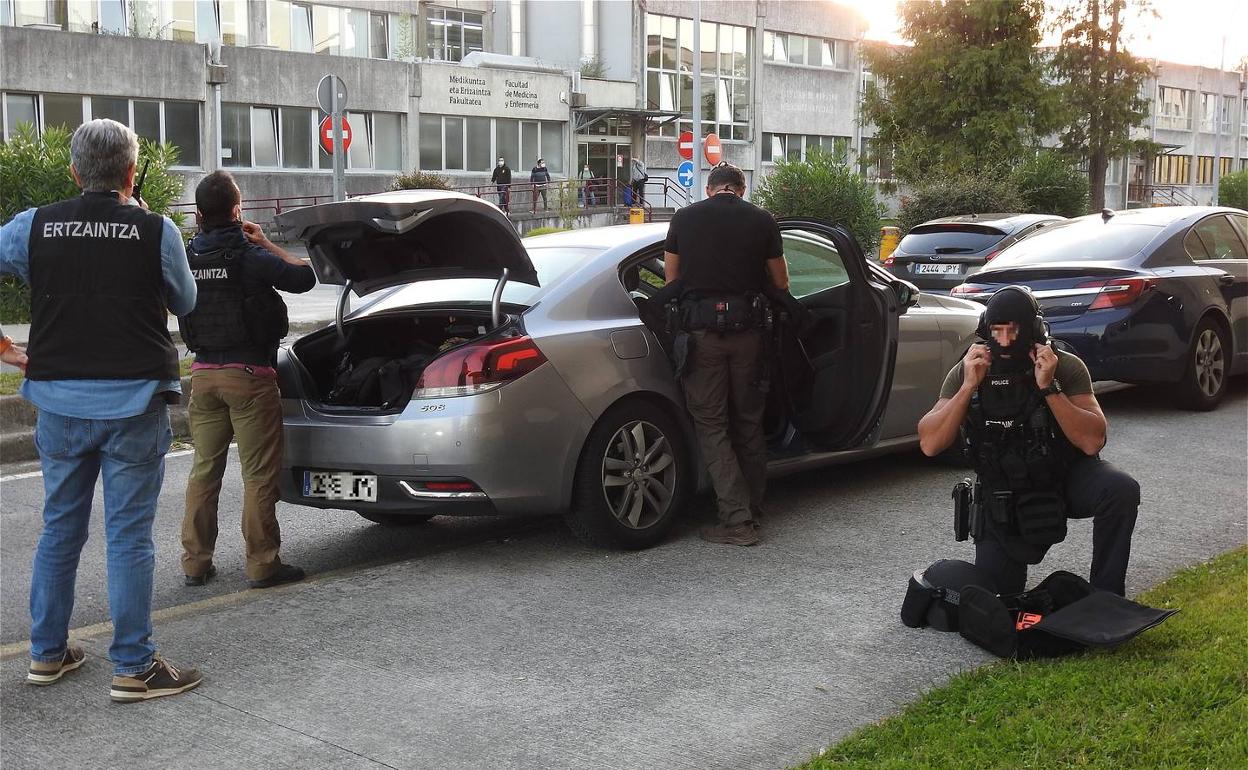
[{"x": 1062, "y": 615}]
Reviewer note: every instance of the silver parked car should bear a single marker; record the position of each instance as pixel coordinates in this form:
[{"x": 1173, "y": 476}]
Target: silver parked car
[{"x": 529, "y": 377}]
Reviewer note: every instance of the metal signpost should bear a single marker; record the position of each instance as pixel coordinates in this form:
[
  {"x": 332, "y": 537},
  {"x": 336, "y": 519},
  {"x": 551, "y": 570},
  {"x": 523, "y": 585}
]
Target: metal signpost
[
  {"x": 697, "y": 98},
  {"x": 331, "y": 95}
]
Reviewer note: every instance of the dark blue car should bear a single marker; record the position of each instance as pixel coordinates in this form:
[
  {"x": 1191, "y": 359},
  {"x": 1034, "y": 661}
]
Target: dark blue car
[{"x": 1154, "y": 295}]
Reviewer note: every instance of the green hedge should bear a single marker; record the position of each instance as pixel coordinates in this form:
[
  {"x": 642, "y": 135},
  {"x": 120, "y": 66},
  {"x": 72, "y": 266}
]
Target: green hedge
[
  {"x": 823, "y": 187},
  {"x": 1233, "y": 190},
  {"x": 1050, "y": 184},
  {"x": 958, "y": 195}
]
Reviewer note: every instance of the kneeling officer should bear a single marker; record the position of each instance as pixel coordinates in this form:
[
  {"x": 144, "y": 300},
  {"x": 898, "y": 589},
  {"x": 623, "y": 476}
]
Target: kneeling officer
[{"x": 1034, "y": 428}]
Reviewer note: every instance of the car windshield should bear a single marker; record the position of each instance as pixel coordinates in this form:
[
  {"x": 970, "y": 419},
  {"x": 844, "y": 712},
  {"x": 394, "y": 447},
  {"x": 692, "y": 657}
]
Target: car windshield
[
  {"x": 1090, "y": 242},
  {"x": 552, "y": 264}
]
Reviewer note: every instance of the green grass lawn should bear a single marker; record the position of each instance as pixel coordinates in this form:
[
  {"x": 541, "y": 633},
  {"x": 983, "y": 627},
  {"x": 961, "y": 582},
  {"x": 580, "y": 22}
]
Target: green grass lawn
[
  {"x": 11, "y": 381},
  {"x": 1172, "y": 698}
]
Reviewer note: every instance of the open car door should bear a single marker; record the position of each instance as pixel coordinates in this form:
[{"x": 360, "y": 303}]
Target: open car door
[{"x": 851, "y": 340}]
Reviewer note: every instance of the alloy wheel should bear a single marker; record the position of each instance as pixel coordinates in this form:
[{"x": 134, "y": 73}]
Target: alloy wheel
[
  {"x": 639, "y": 474},
  {"x": 1210, "y": 363}
]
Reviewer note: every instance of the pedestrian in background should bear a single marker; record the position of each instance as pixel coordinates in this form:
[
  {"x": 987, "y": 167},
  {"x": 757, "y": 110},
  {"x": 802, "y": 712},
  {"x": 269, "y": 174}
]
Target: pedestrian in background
[
  {"x": 639, "y": 175},
  {"x": 502, "y": 183},
  {"x": 726, "y": 252},
  {"x": 540, "y": 177},
  {"x": 587, "y": 186},
  {"x": 103, "y": 274},
  {"x": 234, "y": 332}
]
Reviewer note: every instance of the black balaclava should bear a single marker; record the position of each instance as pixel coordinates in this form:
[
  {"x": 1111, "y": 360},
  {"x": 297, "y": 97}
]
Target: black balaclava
[{"x": 1011, "y": 305}]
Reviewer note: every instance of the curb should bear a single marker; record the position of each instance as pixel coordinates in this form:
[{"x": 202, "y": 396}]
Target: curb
[{"x": 17, "y": 416}]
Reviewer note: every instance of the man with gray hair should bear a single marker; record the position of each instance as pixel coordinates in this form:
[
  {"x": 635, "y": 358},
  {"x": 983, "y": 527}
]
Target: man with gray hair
[{"x": 102, "y": 369}]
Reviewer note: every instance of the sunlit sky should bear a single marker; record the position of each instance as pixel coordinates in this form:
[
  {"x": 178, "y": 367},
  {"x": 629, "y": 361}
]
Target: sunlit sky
[{"x": 1184, "y": 31}]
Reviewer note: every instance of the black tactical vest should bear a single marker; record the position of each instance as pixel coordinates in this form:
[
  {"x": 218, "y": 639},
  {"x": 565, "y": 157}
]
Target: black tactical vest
[
  {"x": 97, "y": 291},
  {"x": 1015, "y": 442},
  {"x": 225, "y": 317},
  {"x": 1021, "y": 458}
]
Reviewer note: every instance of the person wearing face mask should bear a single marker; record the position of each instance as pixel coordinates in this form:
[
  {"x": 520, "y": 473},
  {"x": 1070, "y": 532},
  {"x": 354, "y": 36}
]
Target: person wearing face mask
[
  {"x": 502, "y": 182},
  {"x": 540, "y": 177},
  {"x": 1033, "y": 429},
  {"x": 587, "y": 187},
  {"x": 234, "y": 332}
]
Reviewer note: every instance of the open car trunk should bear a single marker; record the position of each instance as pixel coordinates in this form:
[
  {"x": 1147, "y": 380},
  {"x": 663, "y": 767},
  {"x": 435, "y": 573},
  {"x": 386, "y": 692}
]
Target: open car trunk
[{"x": 377, "y": 366}]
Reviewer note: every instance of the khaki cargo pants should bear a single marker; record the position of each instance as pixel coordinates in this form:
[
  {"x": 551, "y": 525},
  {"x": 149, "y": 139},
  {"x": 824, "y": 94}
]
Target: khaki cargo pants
[
  {"x": 228, "y": 404},
  {"x": 727, "y": 409}
]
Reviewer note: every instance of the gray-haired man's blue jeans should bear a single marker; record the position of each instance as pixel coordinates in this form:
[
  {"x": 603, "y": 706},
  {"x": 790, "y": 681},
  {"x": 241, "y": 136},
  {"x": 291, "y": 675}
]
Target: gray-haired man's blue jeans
[{"x": 130, "y": 455}]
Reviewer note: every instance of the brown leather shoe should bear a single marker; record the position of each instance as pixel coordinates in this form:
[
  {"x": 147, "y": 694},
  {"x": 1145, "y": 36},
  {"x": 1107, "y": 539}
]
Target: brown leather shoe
[{"x": 745, "y": 533}]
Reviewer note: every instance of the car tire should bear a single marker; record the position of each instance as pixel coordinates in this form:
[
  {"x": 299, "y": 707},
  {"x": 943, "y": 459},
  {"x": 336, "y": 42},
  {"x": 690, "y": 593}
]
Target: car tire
[
  {"x": 612, "y": 508},
  {"x": 397, "y": 519},
  {"x": 1208, "y": 368}
]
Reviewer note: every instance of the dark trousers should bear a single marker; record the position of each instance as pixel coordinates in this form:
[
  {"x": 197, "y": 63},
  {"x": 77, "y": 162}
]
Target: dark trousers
[
  {"x": 504, "y": 196},
  {"x": 727, "y": 409},
  {"x": 1096, "y": 490}
]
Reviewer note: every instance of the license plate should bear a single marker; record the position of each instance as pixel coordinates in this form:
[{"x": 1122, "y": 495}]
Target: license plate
[
  {"x": 340, "y": 485},
  {"x": 938, "y": 268}
]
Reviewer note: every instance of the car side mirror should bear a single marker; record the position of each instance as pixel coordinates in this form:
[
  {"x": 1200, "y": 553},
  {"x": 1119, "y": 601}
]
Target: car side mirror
[{"x": 907, "y": 293}]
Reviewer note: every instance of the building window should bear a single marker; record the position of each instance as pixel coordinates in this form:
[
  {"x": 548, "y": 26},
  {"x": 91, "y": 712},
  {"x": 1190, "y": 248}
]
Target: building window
[
  {"x": 1172, "y": 169},
  {"x": 1208, "y": 112},
  {"x": 1204, "y": 169},
  {"x": 452, "y": 35},
  {"x": 1224, "y": 166},
  {"x": 797, "y": 147},
  {"x": 1174, "y": 108},
  {"x": 811, "y": 51},
  {"x": 451, "y": 143},
  {"x": 176, "y": 123},
  {"x": 378, "y": 36},
  {"x": 286, "y": 137},
  {"x": 725, "y": 67},
  {"x": 339, "y": 31}
]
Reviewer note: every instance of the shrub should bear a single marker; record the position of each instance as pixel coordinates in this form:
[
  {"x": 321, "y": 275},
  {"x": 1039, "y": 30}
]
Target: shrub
[
  {"x": 34, "y": 171},
  {"x": 420, "y": 180},
  {"x": 1050, "y": 184},
  {"x": 959, "y": 195},
  {"x": 1233, "y": 190},
  {"x": 823, "y": 187}
]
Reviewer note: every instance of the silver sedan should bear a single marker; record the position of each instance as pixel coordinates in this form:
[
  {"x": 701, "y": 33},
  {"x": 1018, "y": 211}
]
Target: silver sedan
[{"x": 483, "y": 374}]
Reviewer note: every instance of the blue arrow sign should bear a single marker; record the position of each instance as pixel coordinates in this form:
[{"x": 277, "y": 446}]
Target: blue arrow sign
[{"x": 684, "y": 173}]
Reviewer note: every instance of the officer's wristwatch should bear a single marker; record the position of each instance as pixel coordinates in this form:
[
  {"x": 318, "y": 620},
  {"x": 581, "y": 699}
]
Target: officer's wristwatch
[{"x": 1051, "y": 390}]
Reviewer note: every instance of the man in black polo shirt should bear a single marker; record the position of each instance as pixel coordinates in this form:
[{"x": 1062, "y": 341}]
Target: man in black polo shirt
[{"x": 725, "y": 250}]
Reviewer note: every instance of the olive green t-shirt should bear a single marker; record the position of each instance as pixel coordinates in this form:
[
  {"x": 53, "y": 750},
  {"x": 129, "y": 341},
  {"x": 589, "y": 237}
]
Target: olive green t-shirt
[{"x": 1072, "y": 377}]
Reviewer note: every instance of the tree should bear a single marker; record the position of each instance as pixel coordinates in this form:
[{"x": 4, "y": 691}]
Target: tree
[
  {"x": 1100, "y": 84},
  {"x": 825, "y": 188},
  {"x": 969, "y": 95}
]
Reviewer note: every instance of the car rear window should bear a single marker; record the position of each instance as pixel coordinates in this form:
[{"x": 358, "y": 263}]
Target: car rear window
[
  {"x": 1091, "y": 242},
  {"x": 950, "y": 239}
]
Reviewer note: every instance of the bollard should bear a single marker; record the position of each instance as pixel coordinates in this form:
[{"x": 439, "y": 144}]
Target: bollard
[{"x": 889, "y": 238}]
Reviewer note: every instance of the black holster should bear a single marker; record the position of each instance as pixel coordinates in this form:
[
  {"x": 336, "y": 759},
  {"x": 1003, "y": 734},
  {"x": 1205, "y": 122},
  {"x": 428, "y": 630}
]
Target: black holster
[{"x": 962, "y": 501}]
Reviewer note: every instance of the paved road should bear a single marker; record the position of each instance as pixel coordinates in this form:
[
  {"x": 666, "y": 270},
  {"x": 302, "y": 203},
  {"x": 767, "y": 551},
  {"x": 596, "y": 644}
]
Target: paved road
[{"x": 494, "y": 643}]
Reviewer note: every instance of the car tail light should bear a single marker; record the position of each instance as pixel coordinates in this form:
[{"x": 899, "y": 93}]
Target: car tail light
[
  {"x": 991, "y": 255},
  {"x": 963, "y": 289},
  {"x": 1117, "y": 292},
  {"x": 479, "y": 367},
  {"x": 888, "y": 261}
]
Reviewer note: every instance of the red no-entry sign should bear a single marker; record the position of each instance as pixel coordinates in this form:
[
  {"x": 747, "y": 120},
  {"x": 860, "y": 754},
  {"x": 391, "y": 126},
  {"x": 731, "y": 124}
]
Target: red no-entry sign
[
  {"x": 327, "y": 135},
  {"x": 684, "y": 145},
  {"x": 713, "y": 150}
]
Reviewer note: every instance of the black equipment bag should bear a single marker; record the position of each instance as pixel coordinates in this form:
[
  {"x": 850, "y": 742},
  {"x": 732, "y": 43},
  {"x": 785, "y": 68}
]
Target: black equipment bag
[
  {"x": 1062, "y": 615},
  {"x": 381, "y": 381},
  {"x": 934, "y": 594}
]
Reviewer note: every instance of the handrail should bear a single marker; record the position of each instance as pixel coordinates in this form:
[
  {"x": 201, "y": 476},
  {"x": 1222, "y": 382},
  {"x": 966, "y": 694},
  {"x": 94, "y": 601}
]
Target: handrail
[{"x": 594, "y": 193}]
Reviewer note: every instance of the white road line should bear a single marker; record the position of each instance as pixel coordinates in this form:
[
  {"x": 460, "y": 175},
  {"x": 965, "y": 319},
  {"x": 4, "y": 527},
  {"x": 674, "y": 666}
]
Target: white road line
[{"x": 36, "y": 474}]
